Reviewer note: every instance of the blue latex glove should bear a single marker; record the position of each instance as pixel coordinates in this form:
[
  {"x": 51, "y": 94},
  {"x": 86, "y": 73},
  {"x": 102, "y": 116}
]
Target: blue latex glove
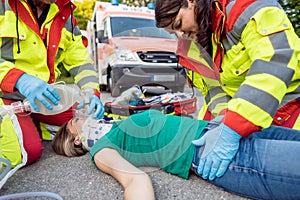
[
  {"x": 220, "y": 146},
  {"x": 34, "y": 89},
  {"x": 94, "y": 104}
]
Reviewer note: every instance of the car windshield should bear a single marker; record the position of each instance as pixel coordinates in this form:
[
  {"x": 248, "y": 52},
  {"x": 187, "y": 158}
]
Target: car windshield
[{"x": 139, "y": 27}]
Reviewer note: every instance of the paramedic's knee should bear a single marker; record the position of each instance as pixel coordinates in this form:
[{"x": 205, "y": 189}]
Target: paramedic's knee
[
  {"x": 34, "y": 152},
  {"x": 12, "y": 150}
]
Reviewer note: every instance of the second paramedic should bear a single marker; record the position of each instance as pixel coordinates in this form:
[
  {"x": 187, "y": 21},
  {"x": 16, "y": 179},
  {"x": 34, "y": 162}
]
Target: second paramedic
[{"x": 255, "y": 51}]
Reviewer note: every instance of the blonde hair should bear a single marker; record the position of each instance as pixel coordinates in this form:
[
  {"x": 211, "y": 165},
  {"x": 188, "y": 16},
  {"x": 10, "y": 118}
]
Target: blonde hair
[{"x": 63, "y": 143}]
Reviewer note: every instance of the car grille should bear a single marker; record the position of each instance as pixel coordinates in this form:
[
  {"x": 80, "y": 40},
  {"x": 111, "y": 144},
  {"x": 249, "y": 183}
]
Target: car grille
[{"x": 157, "y": 57}]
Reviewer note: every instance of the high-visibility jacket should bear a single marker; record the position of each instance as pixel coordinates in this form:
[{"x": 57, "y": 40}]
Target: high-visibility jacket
[
  {"x": 257, "y": 53},
  {"x": 26, "y": 48}
]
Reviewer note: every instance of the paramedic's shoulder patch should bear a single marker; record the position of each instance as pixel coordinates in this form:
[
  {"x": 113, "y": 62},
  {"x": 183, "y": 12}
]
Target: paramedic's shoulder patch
[{"x": 271, "y": 20}]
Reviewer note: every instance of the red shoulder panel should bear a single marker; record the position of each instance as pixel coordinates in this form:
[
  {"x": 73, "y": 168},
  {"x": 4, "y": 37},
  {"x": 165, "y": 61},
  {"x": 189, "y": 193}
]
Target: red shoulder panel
[{"x": 236, "y": 10}]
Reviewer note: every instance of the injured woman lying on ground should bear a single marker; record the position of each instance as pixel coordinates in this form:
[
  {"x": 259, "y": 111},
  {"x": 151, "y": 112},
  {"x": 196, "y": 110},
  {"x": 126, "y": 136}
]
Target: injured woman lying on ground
[{"x": 266, "y": 165}]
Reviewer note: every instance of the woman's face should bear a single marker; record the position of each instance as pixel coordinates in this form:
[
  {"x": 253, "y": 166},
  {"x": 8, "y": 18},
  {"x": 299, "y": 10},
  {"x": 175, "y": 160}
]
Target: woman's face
[
  {"x": 75, "y": 126},
  {"x": 185, "y": 24}
]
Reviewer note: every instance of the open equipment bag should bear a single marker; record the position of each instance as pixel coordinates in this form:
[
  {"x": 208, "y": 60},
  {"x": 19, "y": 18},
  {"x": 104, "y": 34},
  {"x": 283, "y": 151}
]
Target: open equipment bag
[{"x": 170, "y": 103}]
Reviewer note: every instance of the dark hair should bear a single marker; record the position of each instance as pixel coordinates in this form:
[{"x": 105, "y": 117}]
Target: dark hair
[
  {"x": 167, "y": 10},
  {"x": 63, "y": 143}
]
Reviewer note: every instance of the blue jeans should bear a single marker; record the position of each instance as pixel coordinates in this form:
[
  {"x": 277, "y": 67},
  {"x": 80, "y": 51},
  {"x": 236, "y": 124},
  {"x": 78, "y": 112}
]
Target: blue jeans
[{"x": 267, "y": 165}]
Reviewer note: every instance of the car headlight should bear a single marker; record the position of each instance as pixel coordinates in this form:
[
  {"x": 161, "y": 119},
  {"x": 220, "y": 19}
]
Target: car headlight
[{"x": 126, "y": 55}]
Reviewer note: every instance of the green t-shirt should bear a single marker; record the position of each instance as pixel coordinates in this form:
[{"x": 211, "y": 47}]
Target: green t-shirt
[{"x": 154, "y": 139}]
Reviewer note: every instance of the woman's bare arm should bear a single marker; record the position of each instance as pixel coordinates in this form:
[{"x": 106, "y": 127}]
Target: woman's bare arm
[{"x": 136, "y": 183}]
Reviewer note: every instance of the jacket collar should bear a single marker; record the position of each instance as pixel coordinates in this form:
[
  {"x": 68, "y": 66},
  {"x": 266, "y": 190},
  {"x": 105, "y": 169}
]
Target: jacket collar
[
  {"x": 62, "y": 3},
  {"x": 218, "y": 16}
]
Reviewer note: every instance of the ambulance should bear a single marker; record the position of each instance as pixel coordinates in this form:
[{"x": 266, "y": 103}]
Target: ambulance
[{"x": 128, "y": 49}]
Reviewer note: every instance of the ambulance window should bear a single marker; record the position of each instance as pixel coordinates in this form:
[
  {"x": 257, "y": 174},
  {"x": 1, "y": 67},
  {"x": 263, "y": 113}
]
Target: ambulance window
[{"x": 123, "y": 24}]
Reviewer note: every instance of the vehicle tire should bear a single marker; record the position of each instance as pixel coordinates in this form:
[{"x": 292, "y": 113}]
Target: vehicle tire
[
  {"x": 110, "y": 81},
  {"x": 115, "y": 91}
]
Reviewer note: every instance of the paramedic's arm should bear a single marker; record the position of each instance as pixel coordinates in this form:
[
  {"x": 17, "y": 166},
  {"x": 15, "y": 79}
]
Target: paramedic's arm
[
  {"x": 274, "y": 62},
  {"x": 136, "y": 183},
  {"x": 78, "y": 62}
]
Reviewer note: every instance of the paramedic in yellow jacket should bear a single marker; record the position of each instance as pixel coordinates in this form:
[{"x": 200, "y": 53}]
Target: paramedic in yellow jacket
[
  {"x": 255, "y": 54},
  {"x": 36, "y": 36}
]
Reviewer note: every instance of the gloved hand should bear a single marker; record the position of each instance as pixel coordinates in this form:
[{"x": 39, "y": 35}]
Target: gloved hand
[
  {"x": 220, "y": 146},
  {"x": 34, "y": 89},
  {"x": 94, "y": 103}
]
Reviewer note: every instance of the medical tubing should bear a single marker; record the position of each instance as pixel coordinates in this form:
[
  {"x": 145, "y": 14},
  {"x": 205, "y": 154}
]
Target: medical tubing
[
  {"x": 7, "y": 168},
  {"x": 31, "y": 194},
  {"x": 25, "y": 194}
]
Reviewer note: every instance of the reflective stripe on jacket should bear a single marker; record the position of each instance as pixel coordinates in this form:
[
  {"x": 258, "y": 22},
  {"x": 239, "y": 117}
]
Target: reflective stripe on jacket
[
  {"x": 203, "y": 75},
  {"x": 27, "y": 49},
  {"x": 261, "y": 67}
]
